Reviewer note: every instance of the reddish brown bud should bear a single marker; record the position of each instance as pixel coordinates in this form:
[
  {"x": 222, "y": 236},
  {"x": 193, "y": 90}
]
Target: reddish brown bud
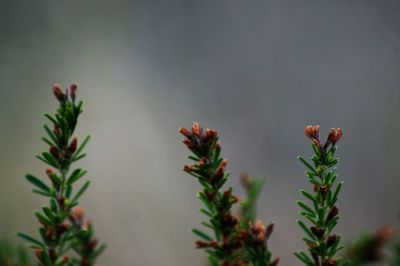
[
  {"x": 196, "y": 129},
  {"x": 275, "y": 262},
  {"x": 61, "y": 97},
  {"x": 188, "y": 143},
  {"x": 56, "y": 130},
  {"x": 54, "y": 151},
  {"x": 323, "y": 190},
  {"x": 269, "y": 230},
  {"x": 78, "y": 214},
  {"x": 202, "y": 244},
  {"x": 185, "y": 132},
  {"x": 258, "y": 231},
  {"x": 188, "y": 168},
  {"x": 332, "y": 213},
  {"x": 318, "y": 232},
  {"x": 73, "y": 145},
  {"x": 49, "y": 171},
  {"x": 334, "y": 136},
  {"x": 210, "y": 135},
  {"x": 64, "y": 260},
  {"x": 38, "y": 254},
  {"x": 385, "y": 234},
  {"x": 72, "y": 91},
  {"x": 329, "y": 262},
  {"x": 312, "y": 132},
  {"x": 332, "y": 240}
]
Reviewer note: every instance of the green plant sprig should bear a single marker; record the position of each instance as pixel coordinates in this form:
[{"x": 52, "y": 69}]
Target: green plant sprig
[
  {"x": 323, "y": 212},
  {"x": 230, "y": 244},
  {"x": 254, "y": 234},
  {"x": 62, "y": 222},
  {"x": 209, "y": 170}
]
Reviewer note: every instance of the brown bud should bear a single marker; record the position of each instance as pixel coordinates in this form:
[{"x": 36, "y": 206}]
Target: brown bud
[
  {"x": 323, "y": 190},
  {"x": 56, "y": 130},
  {"x": 72, "y": 91},
  {"x": 318, "y": 232},
  {"x": 54, "y": 151},
  {"x": 329, "y": 262},
  {"x": 64, "y": 260},
  {"x": 385, "y": 234},
  {"x": 185, "y": 132},
  {"x": 331, "y": 240},
  {"x": 269, "y": 230},
  {"x": 196, "y": 129},
  {"x": 334, "y": 136},
  {"x": 258, "y": 231},
  {"x": 188, "y": 168},
  {"x": 78, "y": 214},
  {"x": 210, "y": 135},
  {"x": 61, "y": 97},
  {"x": 275, "y": 262},
  {"x": 49, "y": 171},
  {"x": 332, "y": 213},
  {"x": 73, "y": 145},
  {"x": 312, "y": 132},
  {"x": 38, "y": 254},
  {"x": 188, "y": 143},
  {"x": 202, "y": 244}
]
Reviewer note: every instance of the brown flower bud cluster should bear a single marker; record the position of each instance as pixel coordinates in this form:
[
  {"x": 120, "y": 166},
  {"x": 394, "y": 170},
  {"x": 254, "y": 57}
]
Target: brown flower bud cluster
[
  {"x": 87, "y": 243},
  {"x": 61, "y": 96},
  {"x": 312, "y": 132}
]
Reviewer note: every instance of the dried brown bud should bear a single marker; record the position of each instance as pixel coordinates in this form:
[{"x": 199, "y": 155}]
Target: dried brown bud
[
  {"x": 275, "y": 262},
  {"x": 331, "y": 240},
  {"x": 258, "y": 231},
  {"x": 318, "y": 232},
  {"x": 72, "y": 91},
  {"x": 329, "y": 262},
  {"x": 269, "y": 230},
  {"x": 334, "y": 136},
  {"x": 312, "y": 132},
  {"x": 188, "y": 168},
  {"x": 59, "y": 94},
  {"x": 185, "y": 132},
  {"x": 332, "y": 213},
  {"x": 210, "y": 135},
  {"x": 54, "y": 151},
  {"x": 196, "y": 129},
  {"x": 78, "y": 214},
  {"x": 323, "y": 190},
  {"x": 56, "y": 130},
  {"x": 38, "y": 254},
  {"x": 188, "y": 143},
  {"x": 49, "y": 171},
  {"x": 64, "y": 260},
  {"x": 385, "y": 234},
  {"x": 73, "y": 145}
]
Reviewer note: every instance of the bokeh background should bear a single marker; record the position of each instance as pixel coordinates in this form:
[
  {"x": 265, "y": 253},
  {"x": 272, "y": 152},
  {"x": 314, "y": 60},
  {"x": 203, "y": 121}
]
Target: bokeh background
[{"x": 257, "y": 71}]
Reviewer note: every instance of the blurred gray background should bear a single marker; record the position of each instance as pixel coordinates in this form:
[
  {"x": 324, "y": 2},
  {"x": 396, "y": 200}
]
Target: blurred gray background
[{"x": 257, "y": 71}]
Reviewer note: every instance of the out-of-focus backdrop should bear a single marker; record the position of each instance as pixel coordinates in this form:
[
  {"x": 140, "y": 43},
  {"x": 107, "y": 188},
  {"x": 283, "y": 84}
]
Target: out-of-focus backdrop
[{"x": 257, "y": 71}]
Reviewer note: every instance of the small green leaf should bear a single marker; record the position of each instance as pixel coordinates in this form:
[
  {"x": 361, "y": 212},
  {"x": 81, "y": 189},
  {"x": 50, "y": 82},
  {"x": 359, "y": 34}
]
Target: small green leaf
[
  {"x": 307, "y": 165},
  {"x": 75, "y": 176},
  {"x": 306, "y": 230},
  {"x": 51, "y": 134},
  {"x": 81, "y": 191},
  {"x": 30, "y": 239},
  {"x": 201, "y": 234},
  {"x": 305, "y": 207},
  {"x": 37, "y": 183}
]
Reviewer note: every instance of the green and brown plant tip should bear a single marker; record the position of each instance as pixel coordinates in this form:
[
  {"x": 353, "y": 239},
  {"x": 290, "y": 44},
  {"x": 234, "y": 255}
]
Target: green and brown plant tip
[
  {"x": 63, "y": 227},
  {"x": 321, "y": 211},
  {"x": 231, "y": 244}
]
